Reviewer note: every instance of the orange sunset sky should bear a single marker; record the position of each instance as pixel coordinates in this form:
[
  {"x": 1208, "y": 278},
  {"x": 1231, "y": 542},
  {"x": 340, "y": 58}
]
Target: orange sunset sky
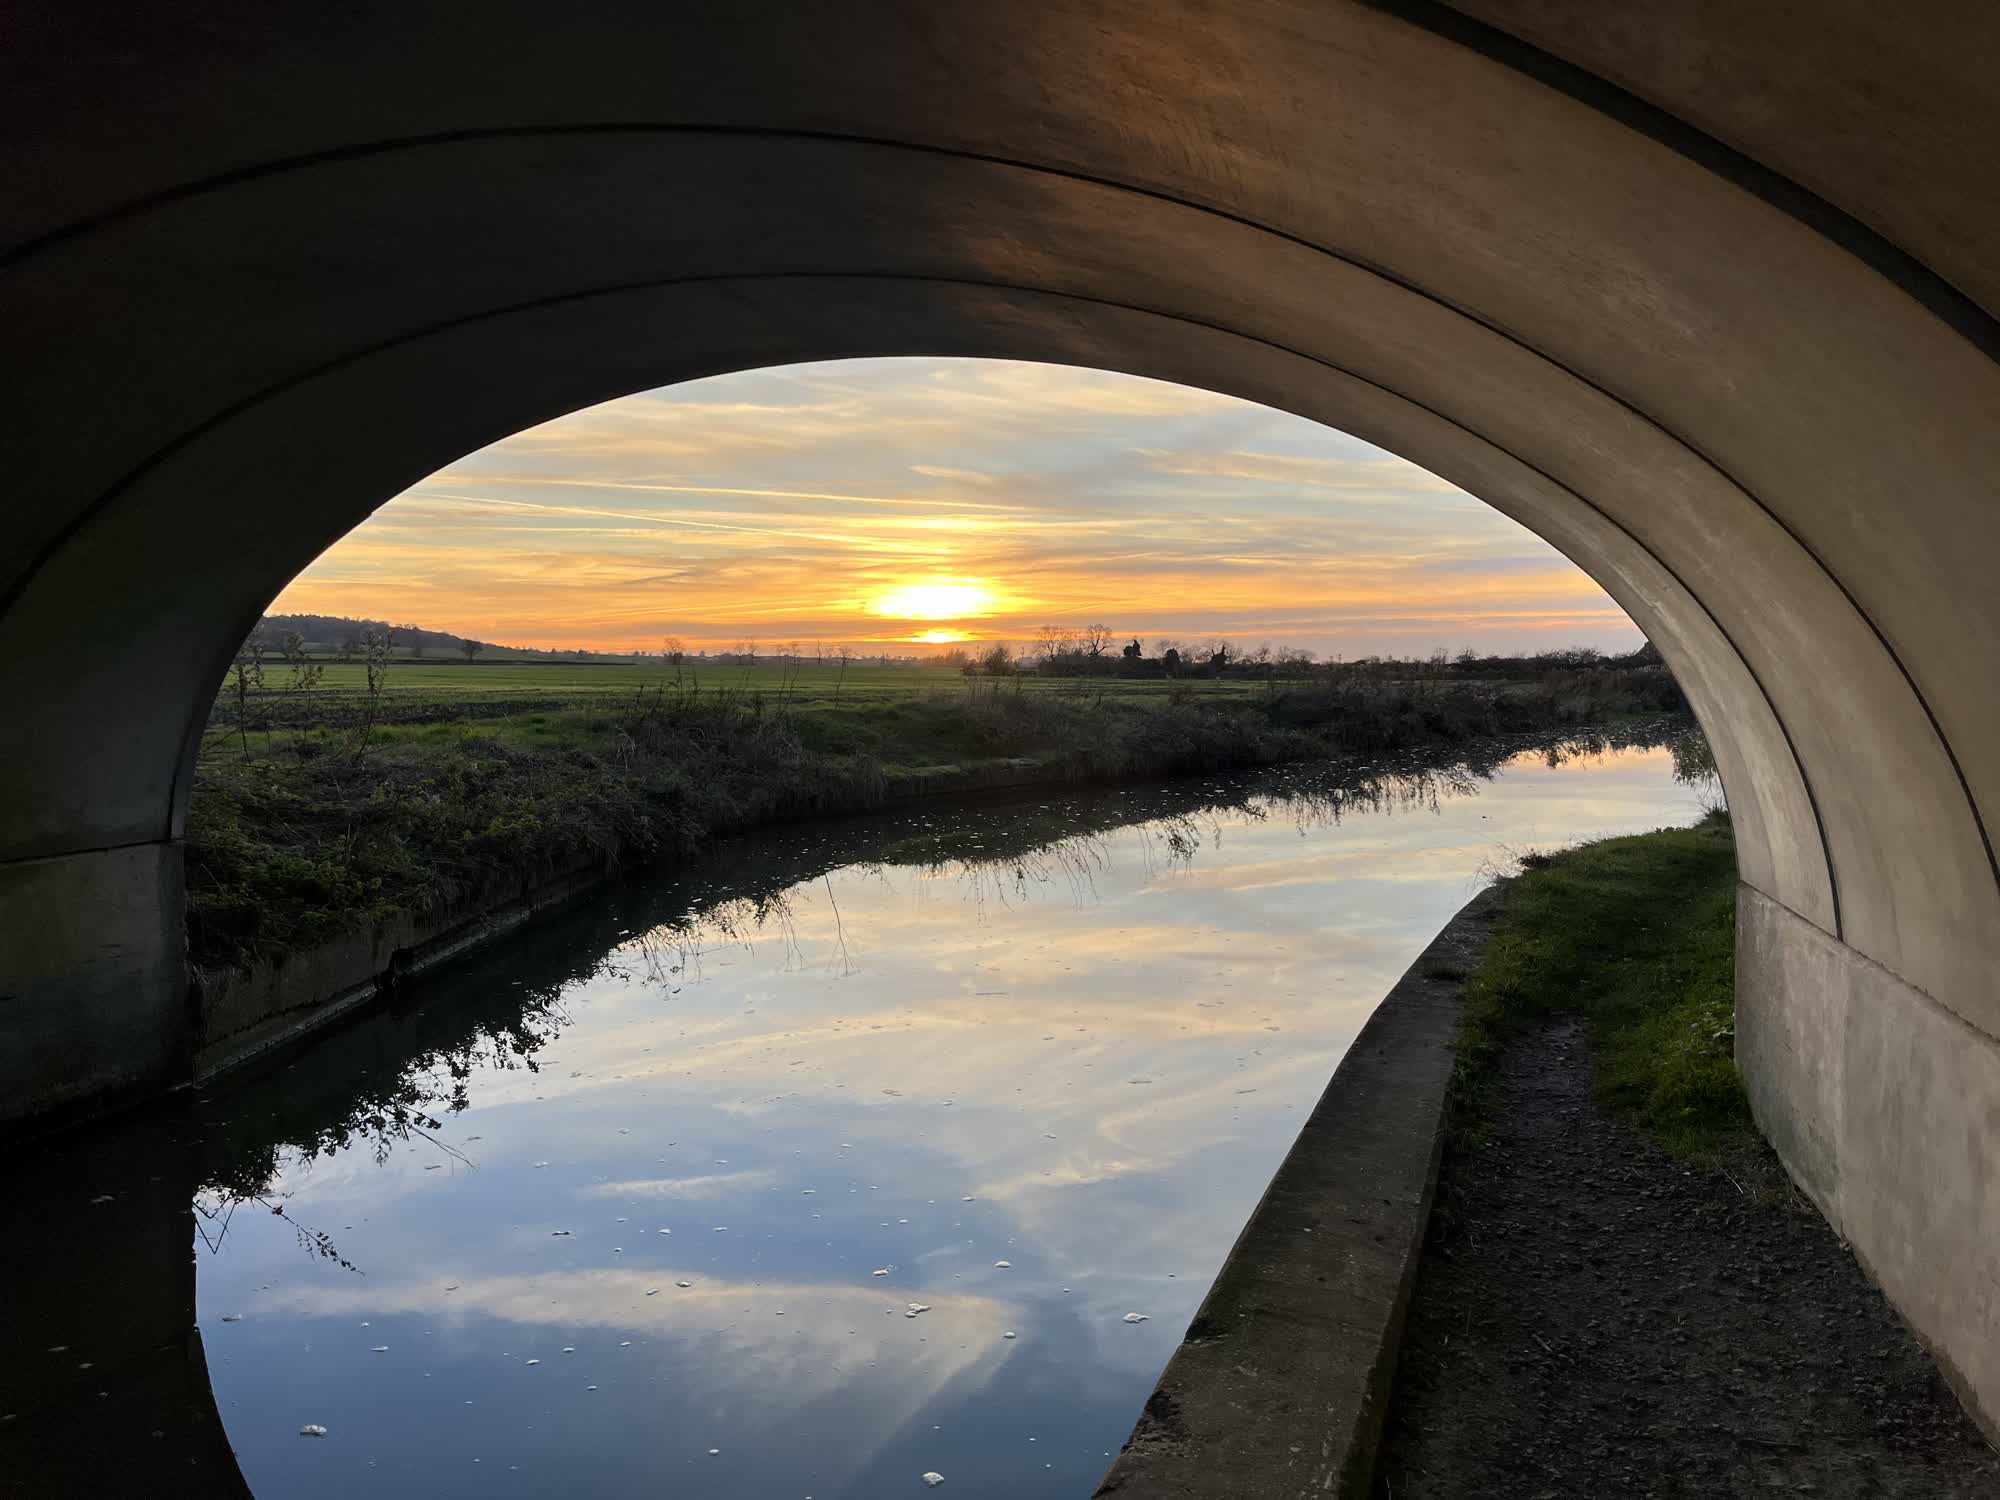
[{"x": 890, "y": 502}]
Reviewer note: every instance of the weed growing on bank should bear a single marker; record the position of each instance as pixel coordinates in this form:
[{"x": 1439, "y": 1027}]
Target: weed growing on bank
[{"x": 1636, "y": 936}]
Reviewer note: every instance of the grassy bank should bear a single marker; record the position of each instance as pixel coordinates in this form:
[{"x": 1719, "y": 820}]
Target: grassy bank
[
  {"x": 318, "y": 811},
  {"x": 1637, "y": 937}
]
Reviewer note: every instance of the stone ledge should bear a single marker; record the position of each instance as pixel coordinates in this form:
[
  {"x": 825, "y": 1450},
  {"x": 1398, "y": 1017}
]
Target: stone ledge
[{"x": 1283, "y": 1380}]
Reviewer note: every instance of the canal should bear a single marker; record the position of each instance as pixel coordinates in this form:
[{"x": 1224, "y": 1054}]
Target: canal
[{"x": 861, "y": 1153}]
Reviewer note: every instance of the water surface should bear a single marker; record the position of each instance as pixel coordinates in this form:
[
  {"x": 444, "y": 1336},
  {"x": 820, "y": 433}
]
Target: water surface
[{"x": 897, "y": 1145}]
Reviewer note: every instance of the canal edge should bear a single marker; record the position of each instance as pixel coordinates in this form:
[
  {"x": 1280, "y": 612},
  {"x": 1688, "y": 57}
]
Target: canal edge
[{"x": 1282, "y": 1382}]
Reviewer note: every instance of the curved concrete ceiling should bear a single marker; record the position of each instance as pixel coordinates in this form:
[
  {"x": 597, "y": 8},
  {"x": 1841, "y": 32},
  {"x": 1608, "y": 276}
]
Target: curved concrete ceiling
[{"x": 1700, "y": 293}]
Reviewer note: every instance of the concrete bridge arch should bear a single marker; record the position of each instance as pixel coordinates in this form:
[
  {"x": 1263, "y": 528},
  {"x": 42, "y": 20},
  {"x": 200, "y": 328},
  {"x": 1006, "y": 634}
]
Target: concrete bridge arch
[{"x": 1704, "y": 297}]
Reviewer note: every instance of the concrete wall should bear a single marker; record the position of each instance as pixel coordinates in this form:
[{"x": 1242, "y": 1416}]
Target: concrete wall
[
  {"x": 240, "y": 1014},
  {"x": 93, "y": 978},
  {"x": 1701, "y": 293},
  {"x": 1886, "y": 1108}
]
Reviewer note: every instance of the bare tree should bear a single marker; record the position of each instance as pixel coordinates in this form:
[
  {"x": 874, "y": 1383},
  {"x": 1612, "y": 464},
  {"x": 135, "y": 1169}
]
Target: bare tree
[
  {"x": 246, "y": 676},
  {"x": 1096, "y": 640},
  {"x": 674, "y": 649},
  {"x": 305, "y": 672},
  {"x": 376, "y": 646},
  {"x": 842, "y": 654},
  {"x": 416, "y": 636},
  {"x": 470, "y": 648}
]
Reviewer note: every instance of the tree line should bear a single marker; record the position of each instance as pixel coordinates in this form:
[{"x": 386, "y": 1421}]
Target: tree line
[{"x": 1098, "y": 651}]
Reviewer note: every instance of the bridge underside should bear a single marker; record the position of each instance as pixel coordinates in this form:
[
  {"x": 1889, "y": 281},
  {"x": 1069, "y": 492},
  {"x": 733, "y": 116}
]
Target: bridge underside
[{"x": 1702, "y": 294}]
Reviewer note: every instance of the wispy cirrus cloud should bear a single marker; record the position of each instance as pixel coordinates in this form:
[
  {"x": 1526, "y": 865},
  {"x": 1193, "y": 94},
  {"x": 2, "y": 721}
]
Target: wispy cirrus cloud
[{"x": 784, "y": 503}]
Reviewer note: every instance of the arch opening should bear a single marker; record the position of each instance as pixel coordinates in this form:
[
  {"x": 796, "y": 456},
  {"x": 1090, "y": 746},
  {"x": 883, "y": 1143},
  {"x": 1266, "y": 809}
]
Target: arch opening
[{"x": 908, "y": 510}]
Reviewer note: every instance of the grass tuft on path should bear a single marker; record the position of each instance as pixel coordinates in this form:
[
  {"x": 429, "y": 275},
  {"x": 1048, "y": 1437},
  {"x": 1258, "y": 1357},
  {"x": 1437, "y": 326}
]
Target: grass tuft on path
[{"x": 1636, "y": 936}]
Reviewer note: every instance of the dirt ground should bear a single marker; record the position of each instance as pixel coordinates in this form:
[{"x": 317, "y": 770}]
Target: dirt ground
[{"x": 1594, "y": 1319}]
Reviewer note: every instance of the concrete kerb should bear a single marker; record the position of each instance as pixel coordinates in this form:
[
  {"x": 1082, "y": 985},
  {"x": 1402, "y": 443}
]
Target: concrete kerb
[{"x": 1283, "y": 1380}]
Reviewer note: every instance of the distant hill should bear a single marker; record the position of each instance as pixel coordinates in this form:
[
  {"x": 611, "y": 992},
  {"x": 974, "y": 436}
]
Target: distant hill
[{"x": 340, "y": 636}]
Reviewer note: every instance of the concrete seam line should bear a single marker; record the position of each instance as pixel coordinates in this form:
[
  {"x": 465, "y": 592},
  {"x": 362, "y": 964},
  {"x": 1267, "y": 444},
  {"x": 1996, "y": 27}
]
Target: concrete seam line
[
  {"x": 355, "y": 357},
  {"x": 1927, "y": 287},
  {"x": 118, "y": 848},
  {"x": 1880, "y": 968}
]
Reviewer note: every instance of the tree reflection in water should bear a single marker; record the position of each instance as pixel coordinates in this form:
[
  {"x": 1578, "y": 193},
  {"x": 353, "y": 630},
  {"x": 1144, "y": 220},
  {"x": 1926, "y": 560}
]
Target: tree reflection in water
[{"x": 389, "y": 1079}]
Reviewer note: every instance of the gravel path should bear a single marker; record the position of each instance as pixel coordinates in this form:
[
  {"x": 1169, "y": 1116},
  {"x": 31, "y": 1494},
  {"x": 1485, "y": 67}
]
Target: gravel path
[{"x": 1592, "y": 1319}]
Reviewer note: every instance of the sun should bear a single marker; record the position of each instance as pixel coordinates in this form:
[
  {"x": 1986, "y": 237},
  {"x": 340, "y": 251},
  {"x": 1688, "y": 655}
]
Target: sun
[
  {"x": 951, "y": 599},
  {"x": 940, "y": 637}
]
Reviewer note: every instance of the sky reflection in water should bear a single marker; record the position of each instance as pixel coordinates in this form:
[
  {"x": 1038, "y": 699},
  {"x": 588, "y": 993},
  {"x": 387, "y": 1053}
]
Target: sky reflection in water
[{"x": 751, "y": 1093}]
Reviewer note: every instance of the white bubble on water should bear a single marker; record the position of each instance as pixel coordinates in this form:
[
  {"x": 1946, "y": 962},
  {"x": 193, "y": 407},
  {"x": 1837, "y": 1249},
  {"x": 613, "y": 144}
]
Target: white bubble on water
[
  {"x": 312, "y": 1429},
  {"x": 932, "y": 1479},
  {"x": 1003, "y": 1265},
  {"x": 1136, "y": 1318}
]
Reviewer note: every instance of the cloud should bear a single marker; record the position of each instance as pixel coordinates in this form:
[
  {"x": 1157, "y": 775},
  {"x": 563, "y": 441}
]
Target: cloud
[
  {"x": 785, "y": 501},
  {"x": 804, "y": 1355},
  {"x": 711, "y": 1185},
  {"x": 1383, "y": 475}
]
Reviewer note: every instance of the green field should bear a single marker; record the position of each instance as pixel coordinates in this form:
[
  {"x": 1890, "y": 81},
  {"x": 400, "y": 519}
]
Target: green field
[
  {"x": 585, "y": 680},
  {"x": 432, "y": 691}
]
